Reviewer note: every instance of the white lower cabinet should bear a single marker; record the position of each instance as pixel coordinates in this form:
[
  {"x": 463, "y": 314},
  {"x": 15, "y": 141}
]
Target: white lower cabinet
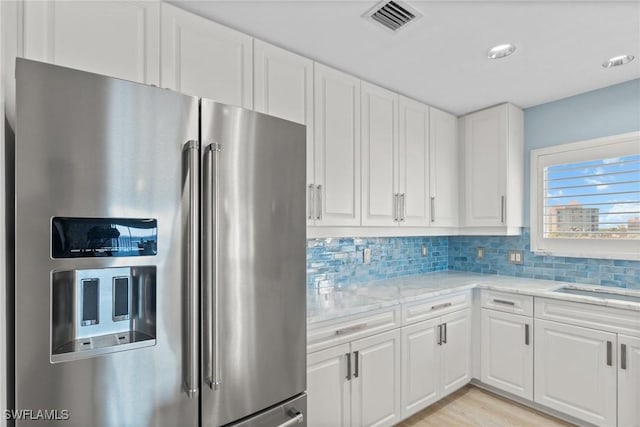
[
  {"x": 436, "y": 359},
  {"x": 506, "y": 356},
  {"x": 328, "y": 390},
  {"x": 575, "y": 371},
  {"x": 355, "y": 384},
  {"x": 629, "y": 382}
]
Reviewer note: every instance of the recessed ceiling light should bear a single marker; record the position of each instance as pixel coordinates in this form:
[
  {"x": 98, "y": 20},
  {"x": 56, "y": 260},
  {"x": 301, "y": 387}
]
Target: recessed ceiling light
[
  {"x": 616, "y": 61},
  {"x": 501, "y": 51}
]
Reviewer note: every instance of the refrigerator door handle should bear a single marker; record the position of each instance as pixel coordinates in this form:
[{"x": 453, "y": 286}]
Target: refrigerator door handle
[
  {"x": 210, "y": 268},
  {"x": 192, "y": 152}
]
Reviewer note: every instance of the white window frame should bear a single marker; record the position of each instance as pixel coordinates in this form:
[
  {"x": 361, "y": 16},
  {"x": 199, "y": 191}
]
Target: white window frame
[{"x": 583, "y": 151}]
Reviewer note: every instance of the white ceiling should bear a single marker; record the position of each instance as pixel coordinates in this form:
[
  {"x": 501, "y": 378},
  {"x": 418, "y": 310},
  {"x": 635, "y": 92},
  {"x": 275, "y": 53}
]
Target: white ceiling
[{"x": 440, "y": 59}]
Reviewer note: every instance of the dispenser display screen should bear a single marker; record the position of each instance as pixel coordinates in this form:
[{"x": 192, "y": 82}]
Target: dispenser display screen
[
  {"x": 90, "y": 293},
  {"x": 103, "y": 237},
  {"x": 120, "y": 298}
]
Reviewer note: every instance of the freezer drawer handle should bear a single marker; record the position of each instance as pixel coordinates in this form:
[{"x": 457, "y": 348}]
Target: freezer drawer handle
[
  {"x": 351, "y": 329},
  {"x": 443, "y": 305},
  {"x": 191, "y": 150},
  {"x": 296, "y": 418},
  {"x": 210, "y": 298}
]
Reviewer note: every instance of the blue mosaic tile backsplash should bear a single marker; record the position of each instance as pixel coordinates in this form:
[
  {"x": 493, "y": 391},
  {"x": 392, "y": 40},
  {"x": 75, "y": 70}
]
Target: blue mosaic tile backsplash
[
  {"x": 332, "y": 262},
  {"x": 335, "y": 262},
  {"x": 604, "y": 272}
]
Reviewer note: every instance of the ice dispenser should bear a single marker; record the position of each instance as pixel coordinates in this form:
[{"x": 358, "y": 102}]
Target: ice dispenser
[{"x": 99, "y": 311}]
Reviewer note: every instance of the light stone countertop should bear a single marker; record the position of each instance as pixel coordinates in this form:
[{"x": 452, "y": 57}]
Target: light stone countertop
[{"x": 354, "y": 299}]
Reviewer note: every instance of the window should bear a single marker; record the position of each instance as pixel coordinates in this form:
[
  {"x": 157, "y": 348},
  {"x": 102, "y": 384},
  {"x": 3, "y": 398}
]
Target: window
[{"x": 585, "y": 198}]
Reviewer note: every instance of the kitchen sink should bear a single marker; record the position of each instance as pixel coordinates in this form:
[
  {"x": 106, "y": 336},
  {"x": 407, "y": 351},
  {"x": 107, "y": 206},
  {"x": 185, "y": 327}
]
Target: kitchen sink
[{"x": 598, "y": 293}]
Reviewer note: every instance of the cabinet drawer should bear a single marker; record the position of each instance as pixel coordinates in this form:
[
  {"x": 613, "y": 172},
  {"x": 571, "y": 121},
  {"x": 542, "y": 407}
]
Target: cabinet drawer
[
  {"x": 589, "y": 315},
  {"x": 433, "y": 307},
  {"x": 338, "y": 331},
  {"x": 508, "y": 302}
]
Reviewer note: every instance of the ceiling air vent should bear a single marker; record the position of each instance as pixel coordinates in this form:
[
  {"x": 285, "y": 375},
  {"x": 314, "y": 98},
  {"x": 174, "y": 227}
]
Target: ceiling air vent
[{"x": 392, "y": 15}]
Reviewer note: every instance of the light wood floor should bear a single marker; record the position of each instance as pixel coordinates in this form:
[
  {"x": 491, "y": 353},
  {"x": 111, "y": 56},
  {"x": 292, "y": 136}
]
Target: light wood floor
[{"x": 472, "y": 406}]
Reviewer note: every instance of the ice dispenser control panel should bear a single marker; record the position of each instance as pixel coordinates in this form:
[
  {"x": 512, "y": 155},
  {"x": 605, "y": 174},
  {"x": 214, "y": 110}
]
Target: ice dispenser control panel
[{"x": 99, "y": 311}]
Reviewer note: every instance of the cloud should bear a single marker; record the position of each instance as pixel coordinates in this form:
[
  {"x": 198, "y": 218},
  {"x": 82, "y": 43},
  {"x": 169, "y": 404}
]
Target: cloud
[
  {"x": 600, "y": 185},
  {"x": 611, "y": 160},
  {"x": 617, "y": 209}
]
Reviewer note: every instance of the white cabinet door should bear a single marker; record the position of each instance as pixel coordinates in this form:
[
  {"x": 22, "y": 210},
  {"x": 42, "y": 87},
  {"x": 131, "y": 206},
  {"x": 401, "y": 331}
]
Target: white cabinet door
[
  {"x": 456, "y": 351},
  {"x": 420, "y": 366},
  {"x": 507, "y": 352},
  {"x": 203, "y": 58},
  {"x": 629, "y": 382},
  {"x": 379, "y": 155},
  {"x": 575, "y": 371},
  {"x": 118, "y": 39},
  {"x": 444, "y": 168},
  {"x": 413, "y": 162},
  {"x": 283, "y": 87},
  {"x": 485, "y": 145},
  {"x": 376, "y": 382},
  {"x": 337, "y": 147},
  {"x": 328, "y": 390}
]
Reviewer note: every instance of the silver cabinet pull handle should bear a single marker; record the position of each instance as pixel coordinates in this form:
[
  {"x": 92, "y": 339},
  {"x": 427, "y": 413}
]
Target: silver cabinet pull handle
[
  {"x": 526, "y": 334},
  {"x": 623, "y": 356},
  {"x": 351, "y": 329},
  {"x": 502, "y": 209},
  {"x": 440, "y": 306},
  {"x": 395, "y": 207},
  {"x": 505, "y": 302},
  {"x": 296, "y": 418},
  {"x": 609, "y": 353},
  {"x": 211, "y": 324},
  {"x": 191, "y": 150},
  {"x": 318, "y": 202},
  {"x": 439, "y": 334},
  {"x": 402, "y": 207},
  {"x": 444, "y": 341},
  {"x": 348, "y": 355},
  {"x": 356, "y": 358},
  {"x": 311, "y": 205},
  {"x": 433, "y": 209}
]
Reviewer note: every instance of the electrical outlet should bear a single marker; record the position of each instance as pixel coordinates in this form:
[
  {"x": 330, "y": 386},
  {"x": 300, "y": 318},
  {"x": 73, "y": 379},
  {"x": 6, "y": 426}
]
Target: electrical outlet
[
  {"x": 423, "y": 250},
  {"x": 515, "y": 257},
  {"x": 366, "y": 256},
  {"x": 480, "y": 253}
]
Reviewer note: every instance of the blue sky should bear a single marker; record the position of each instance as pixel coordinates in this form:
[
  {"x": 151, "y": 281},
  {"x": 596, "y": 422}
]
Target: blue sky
[{"x": 592, "y": 183}]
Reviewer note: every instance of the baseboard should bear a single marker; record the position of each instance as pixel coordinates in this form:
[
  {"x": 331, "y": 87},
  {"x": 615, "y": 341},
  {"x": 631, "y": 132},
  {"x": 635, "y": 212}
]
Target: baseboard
[{"x": 530, "y": 404}]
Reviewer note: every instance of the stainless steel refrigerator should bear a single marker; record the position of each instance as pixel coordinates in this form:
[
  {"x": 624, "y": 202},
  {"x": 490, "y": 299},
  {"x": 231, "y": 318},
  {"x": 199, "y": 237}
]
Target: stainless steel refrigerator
[{"x": 159, "y": 257}]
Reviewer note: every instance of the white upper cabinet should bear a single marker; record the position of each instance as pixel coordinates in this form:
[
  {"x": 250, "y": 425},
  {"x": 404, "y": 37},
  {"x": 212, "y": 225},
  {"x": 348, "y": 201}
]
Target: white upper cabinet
[
  {"x": 203, "y": 58},
  {"x": 413, "y": 162},
  {"x": 494, "y": 158},
  {"x": 118, "y": 39},
  {"x": 336, "y": 193},
  {"x": 283, "y": 87},
  {"x": 395, "y": 156},
  {"x": 282, "y": 83},
  {"x": 379, "y": 156},
  {"x": 444, "y": 168}
]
